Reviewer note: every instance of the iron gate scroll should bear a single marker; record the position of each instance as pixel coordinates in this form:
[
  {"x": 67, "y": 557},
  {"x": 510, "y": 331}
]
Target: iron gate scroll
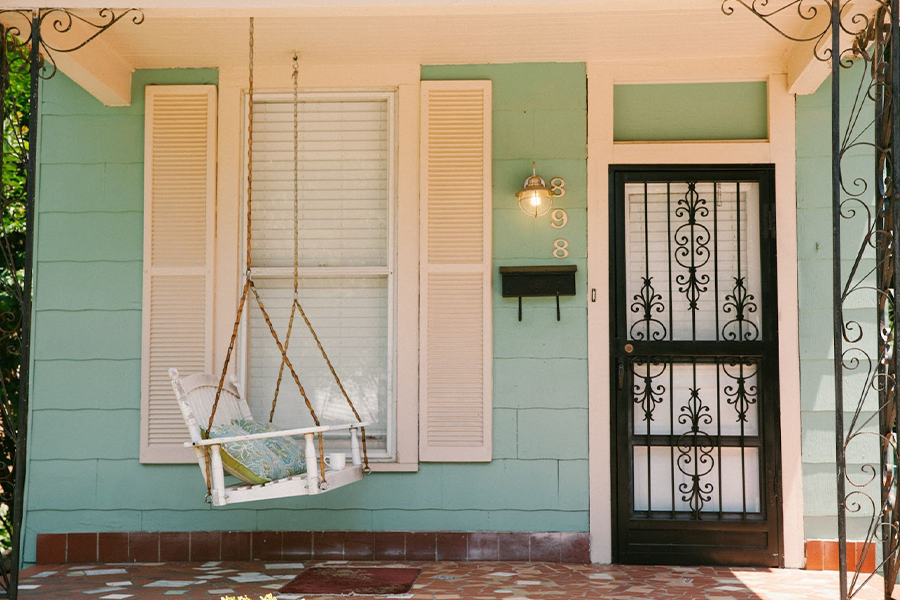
[{"x": 695, "y": 362}]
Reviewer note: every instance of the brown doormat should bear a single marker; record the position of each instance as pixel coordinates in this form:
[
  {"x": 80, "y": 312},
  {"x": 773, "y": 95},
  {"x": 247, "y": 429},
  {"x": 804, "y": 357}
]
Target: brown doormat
[{"x": 339, "y": 581}]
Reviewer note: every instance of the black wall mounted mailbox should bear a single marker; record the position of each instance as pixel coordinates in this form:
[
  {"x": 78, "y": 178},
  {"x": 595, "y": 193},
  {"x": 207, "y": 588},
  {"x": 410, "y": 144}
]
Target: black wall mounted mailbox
[{"x": 546, "y": 280}]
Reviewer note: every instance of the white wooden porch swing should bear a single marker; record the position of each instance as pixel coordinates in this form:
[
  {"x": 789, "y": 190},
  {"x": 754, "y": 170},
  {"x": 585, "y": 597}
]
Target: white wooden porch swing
[{"x": 212, "y": 401}]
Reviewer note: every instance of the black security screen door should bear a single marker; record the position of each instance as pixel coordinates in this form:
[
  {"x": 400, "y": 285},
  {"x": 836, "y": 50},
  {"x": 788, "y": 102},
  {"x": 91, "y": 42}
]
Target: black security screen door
[{"x": 695, "y": 366}]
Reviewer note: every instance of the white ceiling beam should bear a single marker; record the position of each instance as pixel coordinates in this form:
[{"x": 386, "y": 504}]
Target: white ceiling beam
[
  {"x": 805, "y": 72},
  {"x": 100, "y": 70}
]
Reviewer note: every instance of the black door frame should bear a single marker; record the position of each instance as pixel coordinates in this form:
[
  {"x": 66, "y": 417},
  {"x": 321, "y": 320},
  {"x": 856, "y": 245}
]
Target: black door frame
[{"x": 768, "y": 348}]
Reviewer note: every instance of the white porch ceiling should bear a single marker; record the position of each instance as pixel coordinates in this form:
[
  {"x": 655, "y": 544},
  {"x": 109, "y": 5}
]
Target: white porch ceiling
[{"x": 675, "y": 39}]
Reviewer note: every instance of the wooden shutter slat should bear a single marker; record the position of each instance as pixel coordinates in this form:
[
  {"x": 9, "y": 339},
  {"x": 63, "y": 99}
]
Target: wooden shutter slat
[
  {"x": 179, "y": 213},
  {"x": 456, "y": 350}
]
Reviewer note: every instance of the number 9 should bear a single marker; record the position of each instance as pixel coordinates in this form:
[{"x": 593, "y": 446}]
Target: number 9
[{"x": 559, "y": 218}]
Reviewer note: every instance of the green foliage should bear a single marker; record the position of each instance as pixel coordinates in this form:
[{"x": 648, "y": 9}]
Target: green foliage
[{"x": 14, "y": 93}]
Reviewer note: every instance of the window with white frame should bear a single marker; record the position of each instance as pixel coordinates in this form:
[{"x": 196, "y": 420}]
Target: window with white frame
[{"x": 346, "y": 206}]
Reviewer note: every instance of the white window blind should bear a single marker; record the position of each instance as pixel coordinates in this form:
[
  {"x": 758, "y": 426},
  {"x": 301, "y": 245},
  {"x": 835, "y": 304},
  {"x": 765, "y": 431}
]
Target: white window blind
[
  {"x": 345, "y": 171},
  {"x": 179, "y": 217}
]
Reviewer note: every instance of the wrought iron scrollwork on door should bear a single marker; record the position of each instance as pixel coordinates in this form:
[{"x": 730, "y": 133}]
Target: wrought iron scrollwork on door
[
  {"x": 691, "y": 274},
  {"x": 692, "y": 252},
  {"x": 647, "y": 303},
  {"x": 649, "y": 387},
  {"x": 740, "y": 303},
  {"x": 742, "y": 394},
  {"x": 695, "y": 448}
]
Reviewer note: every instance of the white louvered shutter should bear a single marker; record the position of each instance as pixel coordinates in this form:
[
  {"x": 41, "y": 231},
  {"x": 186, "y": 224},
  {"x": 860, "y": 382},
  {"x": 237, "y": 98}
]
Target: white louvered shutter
[
  {"x": 179, "y": 217},
  {"x": 456, "y": 344}
]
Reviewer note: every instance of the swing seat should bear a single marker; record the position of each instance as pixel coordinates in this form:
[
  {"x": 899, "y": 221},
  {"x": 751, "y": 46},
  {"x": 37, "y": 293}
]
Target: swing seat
[{"x": 196, "y": 395}]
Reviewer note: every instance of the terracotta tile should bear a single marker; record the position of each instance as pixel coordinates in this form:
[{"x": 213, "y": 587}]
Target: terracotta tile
[
  {"x": 359, "y": 545},
  {"x": 266, "y": 545},
  {"x": 575, "y": 547},
  {"x": 420, "y": 545},
  {"x": 328, "y": 545},
  {"x": 143, "y": 546},
  {"x": 390, "y": 545},
  {"x": 475, "y": 581},
  {"x": 483, "y": 545},
  {"x": 51, "y": 548},
  {"x": 296, "y": 545},
  {"x": 113, "y": 547},
  {"x": 452, "y": 546},
  {"x": 236, "y": 545},
  {"x": 175, "y": 546},
  {"x": 205, "y": 545},
  {"x": 545, "y": 547},
  {"x": 81, "y": 547},
  {"x": 832, "y": 557},
  {"x": 815, "y": 555},
  {"x": 514, "y": 546}
]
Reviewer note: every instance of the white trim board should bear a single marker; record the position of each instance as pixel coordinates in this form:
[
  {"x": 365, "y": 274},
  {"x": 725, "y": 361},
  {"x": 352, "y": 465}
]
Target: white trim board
[{"x": 602, "y": 152}]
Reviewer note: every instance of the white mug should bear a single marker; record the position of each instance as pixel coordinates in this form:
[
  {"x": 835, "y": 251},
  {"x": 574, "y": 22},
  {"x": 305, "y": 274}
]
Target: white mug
[{"x": 336, "y": 460}]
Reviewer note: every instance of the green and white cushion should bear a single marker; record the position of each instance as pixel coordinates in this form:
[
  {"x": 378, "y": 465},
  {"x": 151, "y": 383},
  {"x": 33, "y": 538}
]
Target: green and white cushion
[
  {"x": 288, "y": 450},
  {"x": 248, "y": 460}
]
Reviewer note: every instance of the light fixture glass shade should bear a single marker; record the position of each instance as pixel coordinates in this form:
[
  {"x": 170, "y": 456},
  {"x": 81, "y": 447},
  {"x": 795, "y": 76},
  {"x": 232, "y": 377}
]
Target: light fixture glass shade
[{"x": 535, "y": 198}]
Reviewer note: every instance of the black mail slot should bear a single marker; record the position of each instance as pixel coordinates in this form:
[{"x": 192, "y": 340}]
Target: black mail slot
[
  {"x": 543, "y": 280},
  {"x": 556, "y": 280}
]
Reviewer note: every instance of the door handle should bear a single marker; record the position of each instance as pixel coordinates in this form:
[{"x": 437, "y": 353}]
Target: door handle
[{"x": 621, "y": 374}]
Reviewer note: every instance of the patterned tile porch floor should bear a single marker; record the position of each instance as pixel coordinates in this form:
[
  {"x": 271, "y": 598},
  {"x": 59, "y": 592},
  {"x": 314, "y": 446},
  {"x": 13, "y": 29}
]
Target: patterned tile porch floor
[{"x": 438, "y": 581}]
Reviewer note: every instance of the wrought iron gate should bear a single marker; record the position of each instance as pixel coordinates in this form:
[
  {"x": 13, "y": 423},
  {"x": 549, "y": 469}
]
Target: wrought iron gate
[
  {"x": 695, "y": 354},
  {"x": 29, "y": 40},
  {"x": 865, "y": 207}
]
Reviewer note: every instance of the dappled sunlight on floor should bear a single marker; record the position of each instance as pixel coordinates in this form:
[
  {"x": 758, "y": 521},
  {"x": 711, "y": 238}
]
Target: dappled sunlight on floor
[{"x": 438, "y": 581}]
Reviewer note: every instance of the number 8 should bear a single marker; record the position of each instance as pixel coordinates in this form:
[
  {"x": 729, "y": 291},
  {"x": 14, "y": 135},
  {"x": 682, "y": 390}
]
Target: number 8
[{"x": 560, "y": 248}]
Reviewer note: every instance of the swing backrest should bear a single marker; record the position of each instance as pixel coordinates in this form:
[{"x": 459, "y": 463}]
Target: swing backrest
[{"x": 196, "y": 395}]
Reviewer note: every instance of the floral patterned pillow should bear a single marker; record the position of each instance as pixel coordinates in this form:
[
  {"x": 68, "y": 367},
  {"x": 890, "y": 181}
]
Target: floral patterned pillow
[
  {"x": 248, "y": 460},
  {"x": 288, "y": 450}
]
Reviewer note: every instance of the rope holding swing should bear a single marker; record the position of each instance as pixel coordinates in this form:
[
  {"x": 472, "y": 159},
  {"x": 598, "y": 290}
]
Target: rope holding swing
[
  {"x": 249, "y": 287},
  {"x": 295, "y": 305}
]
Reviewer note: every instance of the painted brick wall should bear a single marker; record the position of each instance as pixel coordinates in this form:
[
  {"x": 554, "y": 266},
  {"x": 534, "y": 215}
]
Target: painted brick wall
[
  {"x": 814, "y": 228},
  {"x": 84, "y": 473}
]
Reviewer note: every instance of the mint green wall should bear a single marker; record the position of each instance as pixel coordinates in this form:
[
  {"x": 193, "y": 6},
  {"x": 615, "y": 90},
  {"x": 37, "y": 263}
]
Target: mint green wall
[
  {"x": 84, "y": 473},
  {"x": 691, "y": 111},
  {"x": 815, "y": 275}
]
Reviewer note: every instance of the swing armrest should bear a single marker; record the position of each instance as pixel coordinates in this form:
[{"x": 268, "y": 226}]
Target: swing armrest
[{"x": 275, "y": 434}]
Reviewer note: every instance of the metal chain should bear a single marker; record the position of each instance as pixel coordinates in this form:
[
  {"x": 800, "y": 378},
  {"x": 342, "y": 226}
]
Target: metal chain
[
  {"x": 215, "y": 406},
  {"x": 296, "y": 77},
  {"x": 287, "y": 361},
  {"x": 287, "y": 340},
  {"x": 250, "y": 153},
  {"x": 287, "y": 343},
  {"x": 337, "y": 379}
]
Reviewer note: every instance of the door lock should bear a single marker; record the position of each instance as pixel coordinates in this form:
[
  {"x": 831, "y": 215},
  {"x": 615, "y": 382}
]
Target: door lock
[{"x": 628, "y": 348}]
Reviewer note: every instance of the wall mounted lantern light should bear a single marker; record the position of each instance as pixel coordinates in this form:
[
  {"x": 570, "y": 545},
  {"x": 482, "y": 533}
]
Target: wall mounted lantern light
[{"x": 535, "y": 197}]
